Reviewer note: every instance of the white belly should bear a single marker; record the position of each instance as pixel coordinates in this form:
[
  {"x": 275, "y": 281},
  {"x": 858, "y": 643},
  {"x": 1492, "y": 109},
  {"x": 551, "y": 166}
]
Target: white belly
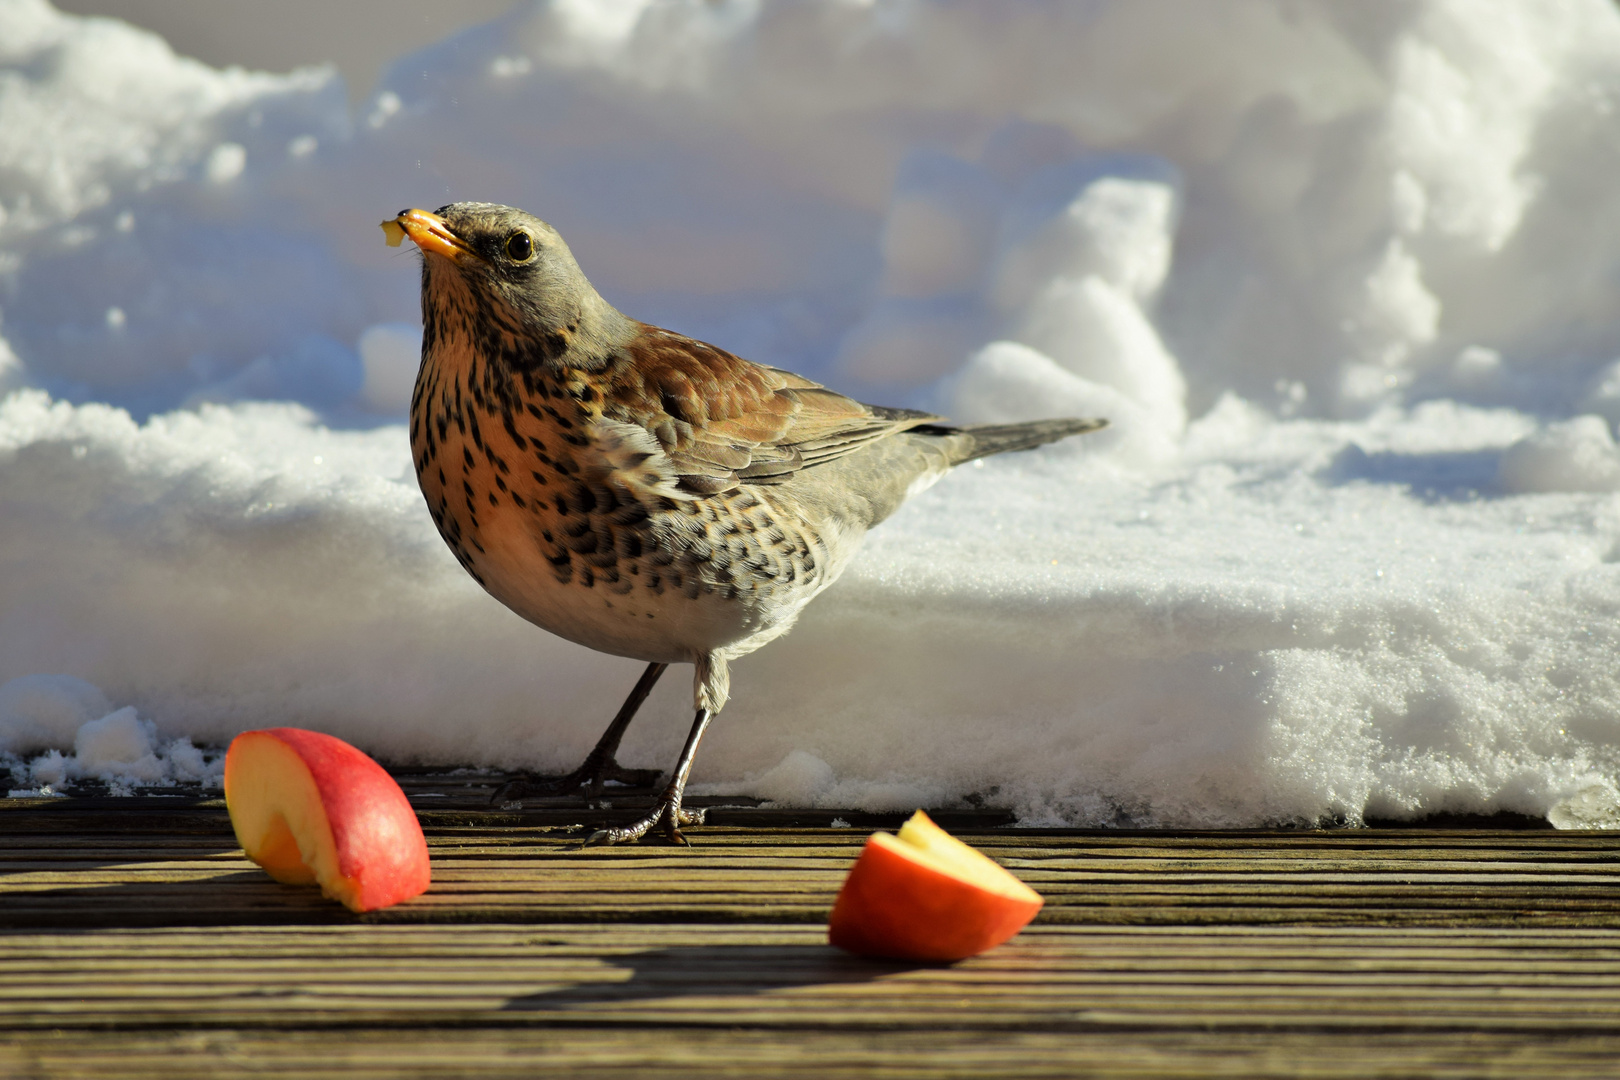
[{"x": 674, "y": 624}]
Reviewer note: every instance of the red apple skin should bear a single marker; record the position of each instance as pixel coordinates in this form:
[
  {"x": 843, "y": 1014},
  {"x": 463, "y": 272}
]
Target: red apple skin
[
  {"x": 895, "y": 908},
  {"x": 380, "y": 847}
]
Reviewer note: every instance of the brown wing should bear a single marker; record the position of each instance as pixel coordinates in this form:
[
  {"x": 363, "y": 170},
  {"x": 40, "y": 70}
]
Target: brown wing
[{"x": 725, "y": 421}]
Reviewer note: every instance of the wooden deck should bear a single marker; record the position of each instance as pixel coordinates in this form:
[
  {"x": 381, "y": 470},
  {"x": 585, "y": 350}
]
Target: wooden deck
[{"x": 135, "y": 941}]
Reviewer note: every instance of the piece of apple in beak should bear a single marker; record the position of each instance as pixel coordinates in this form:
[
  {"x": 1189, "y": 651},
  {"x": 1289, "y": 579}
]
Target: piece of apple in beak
[
  {"x": 924, "y": 895},
  {"x": 311, "y": 809}
]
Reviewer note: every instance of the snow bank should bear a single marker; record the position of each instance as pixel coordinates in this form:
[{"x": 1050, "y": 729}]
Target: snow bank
[{"x": 1342, "y": 277}]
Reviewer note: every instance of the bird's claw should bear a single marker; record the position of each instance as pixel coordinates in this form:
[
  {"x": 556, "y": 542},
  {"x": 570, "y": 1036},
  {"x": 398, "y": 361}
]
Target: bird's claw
[{"x": 667, "y": 811}]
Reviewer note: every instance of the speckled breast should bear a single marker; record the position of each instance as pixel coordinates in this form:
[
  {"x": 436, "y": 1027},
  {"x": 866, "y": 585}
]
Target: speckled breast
[{"x": 535, "y": 512}]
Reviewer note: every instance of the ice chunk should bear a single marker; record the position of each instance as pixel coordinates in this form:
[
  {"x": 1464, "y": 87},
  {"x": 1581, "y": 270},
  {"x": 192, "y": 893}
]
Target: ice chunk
[
  {"x": 1593, "y": 807},
  {"x": 50, "y": 769},
  {"x": 118, "y": 746}
]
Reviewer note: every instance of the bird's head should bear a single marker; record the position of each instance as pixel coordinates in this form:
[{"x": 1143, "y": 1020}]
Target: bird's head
[{"x": 495, "y": 264}]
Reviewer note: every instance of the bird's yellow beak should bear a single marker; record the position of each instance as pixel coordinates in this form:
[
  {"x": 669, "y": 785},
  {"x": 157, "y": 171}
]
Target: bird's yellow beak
[{"x": 428, "y": 231}]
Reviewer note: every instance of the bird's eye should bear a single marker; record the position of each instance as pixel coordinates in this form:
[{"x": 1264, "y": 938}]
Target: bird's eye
[{"x": 519, "y": 247}]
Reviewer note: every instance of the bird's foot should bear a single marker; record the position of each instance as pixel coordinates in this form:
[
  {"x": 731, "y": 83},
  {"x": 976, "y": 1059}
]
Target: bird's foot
[
  {"x": 666, "y": 816},
  {"x": 589, "y": 778}
]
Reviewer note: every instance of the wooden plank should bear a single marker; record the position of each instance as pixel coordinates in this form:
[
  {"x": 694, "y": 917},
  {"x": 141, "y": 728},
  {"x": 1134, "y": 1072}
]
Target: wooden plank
[
  {"x": 735, "y": 875},
  {"x": 620, "y": 1053},
  {"x": 731, "y": 976},
  {"x": 136, "y": 941}
]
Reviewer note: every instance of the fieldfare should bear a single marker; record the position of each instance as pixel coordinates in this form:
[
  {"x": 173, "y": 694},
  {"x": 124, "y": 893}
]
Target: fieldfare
[{"x": 634, "y": 490}]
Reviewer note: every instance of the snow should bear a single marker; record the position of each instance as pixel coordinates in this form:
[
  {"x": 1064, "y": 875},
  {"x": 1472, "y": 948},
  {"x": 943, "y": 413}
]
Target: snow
[
  {"x": 38, "y": 712},
  {"x": 116, "y": 747},
  {"x": 1342, "y": 277}
]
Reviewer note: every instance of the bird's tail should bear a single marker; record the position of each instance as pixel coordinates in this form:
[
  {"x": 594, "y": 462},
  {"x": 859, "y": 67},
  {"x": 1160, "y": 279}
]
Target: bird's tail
[{"x": 982, "y": 440}]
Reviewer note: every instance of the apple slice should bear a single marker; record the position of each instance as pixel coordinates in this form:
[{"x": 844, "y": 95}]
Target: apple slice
[
  {"x": 313, "y": 810},
  {"x": 925, "y": 895}
]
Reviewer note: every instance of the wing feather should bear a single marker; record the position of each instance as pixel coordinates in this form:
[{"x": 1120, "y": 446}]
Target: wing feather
[{"x": 722, "y": 421}]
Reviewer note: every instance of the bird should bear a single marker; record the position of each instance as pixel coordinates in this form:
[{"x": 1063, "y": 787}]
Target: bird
[{"x": 635, "y": 490}]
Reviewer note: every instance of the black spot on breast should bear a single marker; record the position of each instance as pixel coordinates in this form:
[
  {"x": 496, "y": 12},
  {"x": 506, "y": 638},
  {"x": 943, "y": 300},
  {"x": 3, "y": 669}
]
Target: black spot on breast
[
  {"x": 511, "y": 430},
  {"x": 584, "y": 543}
]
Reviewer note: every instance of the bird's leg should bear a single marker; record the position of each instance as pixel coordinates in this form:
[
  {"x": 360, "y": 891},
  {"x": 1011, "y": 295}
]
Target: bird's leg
[
  {"x": 601, "y": 764},
  {"x": 667, "y": 810}
]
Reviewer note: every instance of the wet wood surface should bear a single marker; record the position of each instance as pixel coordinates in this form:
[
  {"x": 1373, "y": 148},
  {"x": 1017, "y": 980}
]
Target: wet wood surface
[{"x": 135, "y": 940}]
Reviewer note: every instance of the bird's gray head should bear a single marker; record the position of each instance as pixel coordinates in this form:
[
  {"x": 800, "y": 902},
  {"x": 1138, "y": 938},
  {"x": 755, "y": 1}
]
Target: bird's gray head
[{"x": 504, "y": 270}]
